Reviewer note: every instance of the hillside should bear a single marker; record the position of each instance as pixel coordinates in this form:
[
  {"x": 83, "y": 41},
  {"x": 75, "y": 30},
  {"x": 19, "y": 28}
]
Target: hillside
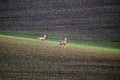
[
  {"x": 90, "y": 22},
  {"x": 30, "y": 59}
]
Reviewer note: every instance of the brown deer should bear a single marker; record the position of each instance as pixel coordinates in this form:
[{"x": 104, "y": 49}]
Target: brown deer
[
  {"x": 42, "y": 38},
  {"x": 63, "y": 42}
]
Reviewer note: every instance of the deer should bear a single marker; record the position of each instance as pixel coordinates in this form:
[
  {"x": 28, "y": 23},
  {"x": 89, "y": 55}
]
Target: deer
[
  {"x": 42, "y": 38},
  {"x": 63, "y": 42}
]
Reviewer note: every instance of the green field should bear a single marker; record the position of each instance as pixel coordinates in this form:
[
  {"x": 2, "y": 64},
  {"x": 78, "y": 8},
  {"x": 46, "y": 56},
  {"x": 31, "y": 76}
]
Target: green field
[
  {"x": 90, "y": 26},
  {"x": 30, "y": 59},
  {"x": 87, "y": 22},
  {"x": 78, "y": 39}
]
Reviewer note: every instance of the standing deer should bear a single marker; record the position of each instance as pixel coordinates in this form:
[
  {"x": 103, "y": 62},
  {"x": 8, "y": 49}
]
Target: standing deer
[
  {"x": 42, "y": 38},
  {"x": 63, "y": 42}
]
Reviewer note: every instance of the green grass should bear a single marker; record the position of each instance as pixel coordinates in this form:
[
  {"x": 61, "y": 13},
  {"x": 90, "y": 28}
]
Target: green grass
[
  {"x": 30, "y": 59},
  {"x": 79, "y": 40},
  {"x": 70, "y": 44}
]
